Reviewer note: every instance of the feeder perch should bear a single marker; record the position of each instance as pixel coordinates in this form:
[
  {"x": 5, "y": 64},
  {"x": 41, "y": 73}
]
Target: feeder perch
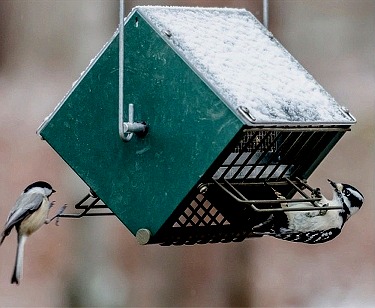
[{"x": 226, "y": 117}]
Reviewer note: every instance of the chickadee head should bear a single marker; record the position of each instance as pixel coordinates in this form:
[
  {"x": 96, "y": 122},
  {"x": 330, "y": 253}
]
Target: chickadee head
[
  {"x": 40, "y": 187},
  {"x": 349, "y": 196}
]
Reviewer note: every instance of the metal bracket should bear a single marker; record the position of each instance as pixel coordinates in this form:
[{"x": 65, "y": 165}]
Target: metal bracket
[
  {"x": 88, "y": 208},
  {"x": 131, "y": 127},
  {"x": 239, "y": 197}
]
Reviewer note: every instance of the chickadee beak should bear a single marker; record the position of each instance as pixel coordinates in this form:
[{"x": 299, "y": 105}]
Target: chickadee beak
[{"x": 53, "y": 191}]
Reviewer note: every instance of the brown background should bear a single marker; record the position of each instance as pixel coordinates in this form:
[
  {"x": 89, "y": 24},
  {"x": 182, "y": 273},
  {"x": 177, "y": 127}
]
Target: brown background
[{"x": 44, "y": 46}]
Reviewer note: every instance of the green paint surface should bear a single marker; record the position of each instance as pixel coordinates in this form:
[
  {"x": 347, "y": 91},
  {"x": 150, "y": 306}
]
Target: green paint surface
[{"x": 144, "y": 180}]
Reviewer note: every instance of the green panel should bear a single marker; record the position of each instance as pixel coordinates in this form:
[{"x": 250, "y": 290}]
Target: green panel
[{"x": 144, "y": 180}]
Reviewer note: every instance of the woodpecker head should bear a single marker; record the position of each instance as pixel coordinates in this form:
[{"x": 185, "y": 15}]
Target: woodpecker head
[
  {"x": 348, "y": 196},
  {"x": 41, "y": 188}
]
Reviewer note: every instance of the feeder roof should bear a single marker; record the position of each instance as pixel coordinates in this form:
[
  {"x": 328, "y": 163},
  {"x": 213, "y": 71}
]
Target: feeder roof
[{"x": 245, "y": 65}]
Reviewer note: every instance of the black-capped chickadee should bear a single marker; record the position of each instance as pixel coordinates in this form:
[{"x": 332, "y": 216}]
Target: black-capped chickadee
[{"x": 28, "y": 214}]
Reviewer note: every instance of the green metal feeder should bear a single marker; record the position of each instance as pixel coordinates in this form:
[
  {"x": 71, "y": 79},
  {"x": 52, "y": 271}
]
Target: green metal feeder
[{"x": 222, "y": 114}]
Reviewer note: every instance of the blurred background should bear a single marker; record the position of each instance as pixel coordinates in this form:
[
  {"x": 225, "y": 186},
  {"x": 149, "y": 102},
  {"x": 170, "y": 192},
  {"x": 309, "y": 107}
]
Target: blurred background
[{"x": 45, "y": 45}]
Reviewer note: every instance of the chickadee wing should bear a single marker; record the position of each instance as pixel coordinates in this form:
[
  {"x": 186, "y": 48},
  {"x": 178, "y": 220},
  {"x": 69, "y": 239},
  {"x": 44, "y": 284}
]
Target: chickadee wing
[{"x": 25, "y": 205}]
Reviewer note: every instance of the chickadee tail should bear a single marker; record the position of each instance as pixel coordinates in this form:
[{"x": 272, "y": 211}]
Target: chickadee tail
[
  {"x": 18, "y": 266},
  {"x": 2, "y": 238},
  {"x": 4, "y": 234}
]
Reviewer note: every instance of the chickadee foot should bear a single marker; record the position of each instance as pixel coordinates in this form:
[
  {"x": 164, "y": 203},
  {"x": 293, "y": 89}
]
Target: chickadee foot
[
  {"x": 52, "y": 203},
  {"x": 57, "y": 216},
  {"x": 62, "y": 209}
]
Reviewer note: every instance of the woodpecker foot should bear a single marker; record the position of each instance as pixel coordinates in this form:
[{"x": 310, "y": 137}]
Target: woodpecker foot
[
  {"x": 316, "y": 193},
  {"x": 323, "y": 212}
]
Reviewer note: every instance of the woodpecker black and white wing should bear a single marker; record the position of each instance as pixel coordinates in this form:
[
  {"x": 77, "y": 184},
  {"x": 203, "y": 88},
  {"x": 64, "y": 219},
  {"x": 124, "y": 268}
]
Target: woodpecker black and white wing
[
  {"x": 310, "y": 237},
  {"x": 25, "y": 205}
]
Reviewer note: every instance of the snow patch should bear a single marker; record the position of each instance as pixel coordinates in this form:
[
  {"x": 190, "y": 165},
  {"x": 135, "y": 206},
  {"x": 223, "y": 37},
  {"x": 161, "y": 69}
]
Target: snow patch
[{"x": 244, "y": 64}]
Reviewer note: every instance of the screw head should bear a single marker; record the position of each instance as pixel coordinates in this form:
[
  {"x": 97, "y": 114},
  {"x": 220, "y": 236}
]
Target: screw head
[
  {"x": 246, "y": 113},
  {"x": 143, "y": 236},
  {"x": 167, "y": 33},
  {"x": 202, "y": 188},
  {"x": 345, "y": 109}
]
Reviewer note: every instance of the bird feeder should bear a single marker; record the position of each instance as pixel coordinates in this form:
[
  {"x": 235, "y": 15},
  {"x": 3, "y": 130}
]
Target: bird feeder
[{"x": 224, "y": 114}]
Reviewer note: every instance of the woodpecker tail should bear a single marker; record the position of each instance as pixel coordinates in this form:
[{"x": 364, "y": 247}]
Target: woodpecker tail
[
  {"x": 18, "y": 266},
  {"x": 264, "y": 227}
]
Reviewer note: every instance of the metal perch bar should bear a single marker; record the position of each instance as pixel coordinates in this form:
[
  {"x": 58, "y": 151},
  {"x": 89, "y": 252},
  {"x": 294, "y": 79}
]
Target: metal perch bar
[
  {"x": 87, "y": 208},
  {"x": 297, "y": 188},
  {"x": 252, "y": 203}
]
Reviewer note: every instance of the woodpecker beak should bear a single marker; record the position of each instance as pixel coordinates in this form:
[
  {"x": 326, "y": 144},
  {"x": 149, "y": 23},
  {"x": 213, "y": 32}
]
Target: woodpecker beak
[
  {"x": 332, "y": 183},
  {"x": 336, "y": 188}
]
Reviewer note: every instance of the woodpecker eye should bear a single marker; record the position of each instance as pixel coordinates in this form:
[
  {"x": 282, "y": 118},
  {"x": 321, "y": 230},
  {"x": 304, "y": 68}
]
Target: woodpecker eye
[{"x": 346, "y": 192}]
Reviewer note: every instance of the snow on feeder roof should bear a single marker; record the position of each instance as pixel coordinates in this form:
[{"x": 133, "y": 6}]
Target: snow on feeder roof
[{"x": 245, "y": 65}]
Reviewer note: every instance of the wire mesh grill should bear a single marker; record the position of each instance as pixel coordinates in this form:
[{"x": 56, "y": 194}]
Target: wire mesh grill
[
  {"x": 272, "y": 154},
  {"x": 200, "y": 212},
  {"x": 256, "y": 140},
  {"x": 256, "y": 160}
]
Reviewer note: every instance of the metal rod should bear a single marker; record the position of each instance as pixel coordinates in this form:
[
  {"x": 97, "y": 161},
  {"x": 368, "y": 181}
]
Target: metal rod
[
  {"x": 79, "y": 204},
  {"x": 299, "y": 129},
  {"x": 243, "y": 199},
  {"x": 265, "y": 13},
  {"x": 297, "y": 188},
  {"x": 302, "y": 182},
  {"x": 278, "y": 152},
  {"x": 233, "y": 188},
  {"x": 260, "y": 158},
  {"x": 252, "y": 202},
  {"x": 127, "y": 129},
  {"x": 299, "y": 209},
  {"x": 299, "y": 157},
  {"x": 87, "y": 214},
  {"x": 238, "y": 156},
  {"x": 251, "y": 155},
  {"x": 87, "y": 208},
  {"x": 273, "y": 143},
  {"x": 302, "y": 192},
  {"x": 292, "y": 161},
  {"x": 83, "y": 213},
  {"x": 121, "y": 74}
]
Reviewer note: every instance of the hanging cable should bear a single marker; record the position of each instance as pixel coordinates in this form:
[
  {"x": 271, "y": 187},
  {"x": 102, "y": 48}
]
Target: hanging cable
[
  {"x": 126, "y": 129},
  {"x": 265, "y": 13},
  {"x": 121, "y": 72}
]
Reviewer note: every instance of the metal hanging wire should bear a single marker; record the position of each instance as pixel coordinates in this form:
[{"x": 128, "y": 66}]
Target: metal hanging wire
[
  {"x": 121, "y": 74},
  {"x": 126, "y": 129},
  {"x": 265, "y": 13}
]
